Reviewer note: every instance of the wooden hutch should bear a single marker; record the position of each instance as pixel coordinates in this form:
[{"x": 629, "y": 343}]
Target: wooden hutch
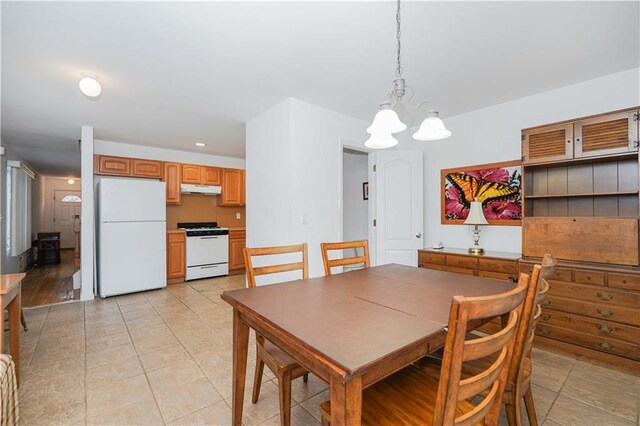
[{"x": 580, "y": 200}]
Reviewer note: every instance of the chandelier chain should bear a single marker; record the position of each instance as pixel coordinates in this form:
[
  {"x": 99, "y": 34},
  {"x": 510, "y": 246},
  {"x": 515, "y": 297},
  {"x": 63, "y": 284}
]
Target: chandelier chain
[{"x": 399, "y": 67}]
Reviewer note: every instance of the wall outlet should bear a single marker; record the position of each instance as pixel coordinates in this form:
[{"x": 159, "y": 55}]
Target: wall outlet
[{"x": 238, "y": 215}]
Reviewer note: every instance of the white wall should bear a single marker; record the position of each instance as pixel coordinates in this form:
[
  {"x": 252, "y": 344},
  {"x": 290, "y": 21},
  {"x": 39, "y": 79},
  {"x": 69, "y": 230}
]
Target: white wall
[
  {"x": 120, "y": 149},
  {"x": 493, "y": 134},
  {"x": 293, "y": 176},
  {"x": 87, "y": 216},
  {"x": 355, "y": 210}
]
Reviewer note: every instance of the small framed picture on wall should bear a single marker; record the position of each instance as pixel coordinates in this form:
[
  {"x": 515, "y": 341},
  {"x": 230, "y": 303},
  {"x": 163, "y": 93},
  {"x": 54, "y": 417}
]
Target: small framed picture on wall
[{"x": 365, "y": 190}]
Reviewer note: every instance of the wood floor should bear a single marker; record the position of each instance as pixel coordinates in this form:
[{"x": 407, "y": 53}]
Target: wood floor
[{"x": 49, "y": 284}]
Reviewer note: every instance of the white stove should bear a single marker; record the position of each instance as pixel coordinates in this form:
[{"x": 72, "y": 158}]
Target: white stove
[{"x": 207, "y": 250}]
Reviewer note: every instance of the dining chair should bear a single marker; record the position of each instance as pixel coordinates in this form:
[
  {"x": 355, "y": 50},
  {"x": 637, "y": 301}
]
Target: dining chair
[
  {"x": 279, "y": 362},
  {"x": 518, "y": 385},
  {"x": 411, "y": 396},
  {"x": 355, "y": 260}
]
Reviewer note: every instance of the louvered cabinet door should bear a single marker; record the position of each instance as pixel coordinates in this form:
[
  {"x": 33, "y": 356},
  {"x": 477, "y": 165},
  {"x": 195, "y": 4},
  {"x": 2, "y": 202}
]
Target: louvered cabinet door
[
  {"x": 550, "y": 143},
  {"x": 607, "y": 134}
]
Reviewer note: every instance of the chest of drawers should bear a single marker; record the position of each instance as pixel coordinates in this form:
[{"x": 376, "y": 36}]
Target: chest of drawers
[
  {"x": 593, "y": 308},
  {"x": 499, "y": 265}
]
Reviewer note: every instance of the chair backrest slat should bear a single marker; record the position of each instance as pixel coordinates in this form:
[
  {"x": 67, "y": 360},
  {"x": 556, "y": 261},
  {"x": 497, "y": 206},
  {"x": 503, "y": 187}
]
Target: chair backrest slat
[
  {"x": 253, "y": 272},
  {"x": 330, "y": 263},
  {"x": 452, "y": 389}
]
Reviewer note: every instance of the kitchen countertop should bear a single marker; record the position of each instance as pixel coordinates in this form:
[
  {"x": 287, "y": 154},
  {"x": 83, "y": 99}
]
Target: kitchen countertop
[{"x": 175, "y": 231}]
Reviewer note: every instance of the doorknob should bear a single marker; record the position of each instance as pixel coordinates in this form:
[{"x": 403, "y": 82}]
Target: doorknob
[{"x": 418, "y": 235}]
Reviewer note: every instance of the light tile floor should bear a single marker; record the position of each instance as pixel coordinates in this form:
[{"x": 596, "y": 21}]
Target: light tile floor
[{"x": 164, "y": 357}]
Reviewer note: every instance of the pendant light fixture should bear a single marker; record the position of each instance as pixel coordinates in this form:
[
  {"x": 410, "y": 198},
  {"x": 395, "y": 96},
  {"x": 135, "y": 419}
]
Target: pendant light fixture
[{"x": 386, "y": 121}]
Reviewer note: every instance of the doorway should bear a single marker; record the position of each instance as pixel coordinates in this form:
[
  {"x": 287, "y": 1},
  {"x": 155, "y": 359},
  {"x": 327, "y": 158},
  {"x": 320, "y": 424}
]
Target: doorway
[
  {"x": 355, "y": 197},
  {"x": 50, "y": 279}
]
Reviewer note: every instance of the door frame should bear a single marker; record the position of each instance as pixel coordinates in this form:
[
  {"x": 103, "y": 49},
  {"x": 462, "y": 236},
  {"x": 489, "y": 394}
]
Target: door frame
[{"x": 371, "y": 207}]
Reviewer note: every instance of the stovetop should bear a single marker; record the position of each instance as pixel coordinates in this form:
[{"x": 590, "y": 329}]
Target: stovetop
[{"x": 196, "y": 229}]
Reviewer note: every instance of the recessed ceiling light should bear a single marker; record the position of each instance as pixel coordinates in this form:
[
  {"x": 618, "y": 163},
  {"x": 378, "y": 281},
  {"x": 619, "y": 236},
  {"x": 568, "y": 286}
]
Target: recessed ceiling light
[
  {"x": 90, "y": 86},
  {"x": 200, "y": 144},
  {"x": 71, "y": 181}
]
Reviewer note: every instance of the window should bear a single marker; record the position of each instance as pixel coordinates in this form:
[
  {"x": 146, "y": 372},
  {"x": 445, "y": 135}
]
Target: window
[
  {"x": 18, "y": 208},
  {"x": 71, "y": 198}
]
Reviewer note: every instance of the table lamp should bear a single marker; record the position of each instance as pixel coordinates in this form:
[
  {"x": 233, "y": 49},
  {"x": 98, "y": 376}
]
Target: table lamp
[{"x": 476, "y": 217}]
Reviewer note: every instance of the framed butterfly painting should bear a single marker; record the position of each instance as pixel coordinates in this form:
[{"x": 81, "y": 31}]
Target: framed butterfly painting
[{"x": 497, "y": 186}]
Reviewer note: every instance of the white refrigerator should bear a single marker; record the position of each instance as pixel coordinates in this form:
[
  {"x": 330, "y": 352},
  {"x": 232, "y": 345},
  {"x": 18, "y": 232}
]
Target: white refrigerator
[{"x": 131, "y": 236}]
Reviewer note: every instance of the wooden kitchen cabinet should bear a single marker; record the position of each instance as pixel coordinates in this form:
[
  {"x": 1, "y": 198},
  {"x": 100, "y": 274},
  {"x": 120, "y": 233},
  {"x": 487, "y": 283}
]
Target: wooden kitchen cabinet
[
  {"x": 237, "y": 243},
  {"x": 607, "y": 134},
  {"x": 173, "y": 179},
  {"x": 176, "y": 257},
  {"x": 211, "y": 176},
  {"x": 191, "y": 174},
  {"x": 232, "y": 187},
  {"x": 147, "y": 168},
  {"x": 107, "y": 165},
  {"x": 548, "y": 143}
]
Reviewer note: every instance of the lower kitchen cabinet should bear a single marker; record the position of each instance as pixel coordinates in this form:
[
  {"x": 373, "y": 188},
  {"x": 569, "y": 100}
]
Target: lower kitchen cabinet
[
  {"x": 237, "y": 242},
  {"x": 176, "y": 256}
]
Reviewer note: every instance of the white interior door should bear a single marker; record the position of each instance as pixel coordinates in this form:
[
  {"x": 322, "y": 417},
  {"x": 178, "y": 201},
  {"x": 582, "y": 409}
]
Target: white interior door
[
  {"x": 66, "y": 207},
  {"x": 398, "y": 206}
]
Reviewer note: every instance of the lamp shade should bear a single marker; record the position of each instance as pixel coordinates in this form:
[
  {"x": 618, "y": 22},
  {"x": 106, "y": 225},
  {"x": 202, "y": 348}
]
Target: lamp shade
[
  {"x": 476, "y": 217},
  {"x": 386, "y": 121},
  {"x": 381, "y": 141},
  {"x": 432, "y": 129}
]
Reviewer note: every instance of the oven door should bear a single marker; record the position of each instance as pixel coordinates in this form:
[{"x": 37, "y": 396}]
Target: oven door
[{"x": 207, "y": 250}]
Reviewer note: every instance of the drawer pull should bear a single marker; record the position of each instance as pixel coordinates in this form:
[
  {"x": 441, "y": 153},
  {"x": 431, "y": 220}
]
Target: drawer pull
[
  {"x": 605, "y": 314},
  {"x": 604, "y": 296},
  {"x": 546, "y": 317},
  {"x": 605, "y": 329},
  {"x": 546, "y": 303},
  {"x": 606, "y": 346},
  {"x": 545, "y": 331}
]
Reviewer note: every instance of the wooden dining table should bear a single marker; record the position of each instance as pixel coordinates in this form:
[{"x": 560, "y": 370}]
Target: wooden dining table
[
  {"x": 11, "y": 300},
  {"x": 351, "y": 329}
]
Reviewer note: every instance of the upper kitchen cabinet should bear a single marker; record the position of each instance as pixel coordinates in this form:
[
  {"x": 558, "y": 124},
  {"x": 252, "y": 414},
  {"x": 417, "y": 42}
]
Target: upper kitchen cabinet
[
  {"x": 211, "y": 176},
  {"x": 595, "y": 136},
  {"x": 191, "y": 174},
  {"x": 232, "y": 187},
  {"x": 549, "y": 143},
  {"x": 147, "y": 168},
  {"x": 173, "y": 179},
  {"x": 106, "y": 165},
  {"x": 607, "y": 134}
]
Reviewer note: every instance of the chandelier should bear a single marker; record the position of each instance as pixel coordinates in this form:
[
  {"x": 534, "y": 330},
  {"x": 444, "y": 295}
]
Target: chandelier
[{"x": 387, "y": 122}]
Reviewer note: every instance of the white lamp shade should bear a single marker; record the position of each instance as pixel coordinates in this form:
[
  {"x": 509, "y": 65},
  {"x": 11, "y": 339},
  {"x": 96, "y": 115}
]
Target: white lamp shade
[
  {"x": 381, "y": 141},
  {"x": 386, "y": 121},
  {"x": 476, "y": 217},
  {"x": 90, "y": 87},
  {"x": 432, "y": 129}
]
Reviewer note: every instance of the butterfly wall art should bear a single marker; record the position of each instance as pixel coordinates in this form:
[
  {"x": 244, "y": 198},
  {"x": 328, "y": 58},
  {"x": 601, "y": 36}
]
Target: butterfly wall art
[{"x": 497, "y": 186}]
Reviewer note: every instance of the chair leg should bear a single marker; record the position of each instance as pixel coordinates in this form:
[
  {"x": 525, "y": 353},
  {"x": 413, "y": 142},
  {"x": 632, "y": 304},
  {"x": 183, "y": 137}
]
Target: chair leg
[
  {"x": 531, "y": 408},
  {"x": 512, "y": 414},
  {"x": 24, "y": 323},
  {"x": 284, "y": 389},
  {"x": 257, "y": 380},
  {"x": 305, "y": 378}
]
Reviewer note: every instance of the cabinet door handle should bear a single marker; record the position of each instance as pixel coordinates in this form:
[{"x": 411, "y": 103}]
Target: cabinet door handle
[
  {"x": 605, "y": 329},
  {"x": 545, "y": 331},
  {"x": 546, "y": 303},
  {"x": 604, "y": 296},
  {"x": 606, "y": 346},
  {"x": 605, "y": 314},
  {"x": 546, "y": 317}
]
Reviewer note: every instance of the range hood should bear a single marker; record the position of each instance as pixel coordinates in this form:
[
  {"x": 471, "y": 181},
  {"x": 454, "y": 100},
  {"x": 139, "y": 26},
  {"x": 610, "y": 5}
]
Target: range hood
[{"x": 186, "y": 188}]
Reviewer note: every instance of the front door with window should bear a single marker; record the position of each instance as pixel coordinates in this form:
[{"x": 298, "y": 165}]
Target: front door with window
[{"x": 66, "y": 208}]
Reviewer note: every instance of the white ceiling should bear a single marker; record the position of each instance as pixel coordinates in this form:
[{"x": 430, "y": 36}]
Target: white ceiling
[{"x": 176, "y": 73}]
